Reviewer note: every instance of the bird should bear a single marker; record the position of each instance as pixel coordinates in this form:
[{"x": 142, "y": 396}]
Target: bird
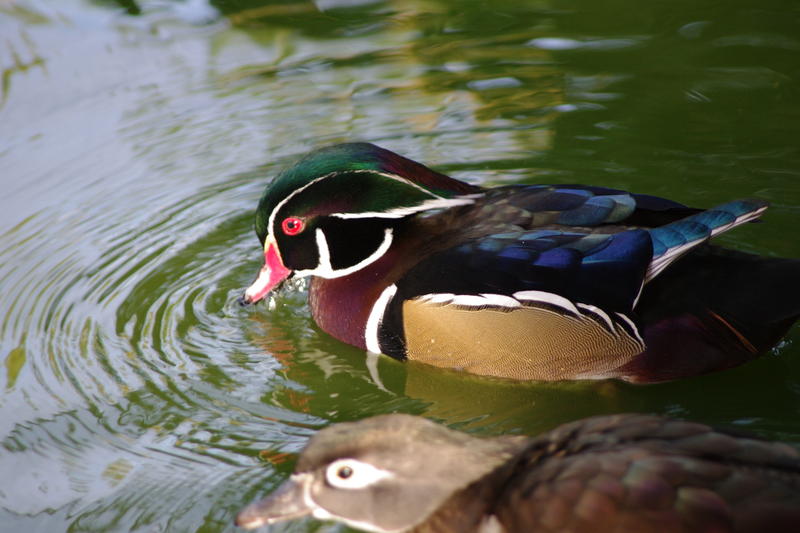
[
  {"x": 522, "y": 282},
  {"x": 626, "y": 472}
]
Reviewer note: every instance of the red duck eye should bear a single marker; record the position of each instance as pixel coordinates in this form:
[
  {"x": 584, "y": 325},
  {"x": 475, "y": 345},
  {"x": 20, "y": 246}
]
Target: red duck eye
[{"x": 292, "y": 225}]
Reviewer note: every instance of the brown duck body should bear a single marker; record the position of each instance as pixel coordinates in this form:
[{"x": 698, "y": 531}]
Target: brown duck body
[
  {"x": 647, "y": 474},
  {"x": 605, "y": 474}
]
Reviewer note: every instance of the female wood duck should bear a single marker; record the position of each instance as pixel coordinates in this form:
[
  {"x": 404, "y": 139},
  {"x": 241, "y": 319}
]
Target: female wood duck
[
  {"x": 528, "y": 282},
  {"x": 611, "y": 473}
]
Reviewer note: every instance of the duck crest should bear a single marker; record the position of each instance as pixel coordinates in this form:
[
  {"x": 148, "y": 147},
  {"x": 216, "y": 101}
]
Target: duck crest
[
  {"x": 349, "y": 164},
  {"x": 369, "y": 157}
]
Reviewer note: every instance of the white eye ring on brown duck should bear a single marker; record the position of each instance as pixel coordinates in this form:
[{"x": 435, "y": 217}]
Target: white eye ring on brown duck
[{"x": 352, "y": 474}]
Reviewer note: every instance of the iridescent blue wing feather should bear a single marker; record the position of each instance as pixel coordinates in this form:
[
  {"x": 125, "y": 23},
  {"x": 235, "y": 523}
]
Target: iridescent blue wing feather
[
  {"x": 606, "y": 270},
  {"x": 581, "y": 205},
  {"x": 675, "y": 239},
  {"x": 605, "y": 265}
]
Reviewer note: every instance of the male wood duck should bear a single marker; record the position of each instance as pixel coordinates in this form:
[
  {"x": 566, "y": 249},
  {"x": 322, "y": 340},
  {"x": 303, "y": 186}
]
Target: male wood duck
[
  {"x": 529, "y": 282},
  {"x": 641, "y": 473}
]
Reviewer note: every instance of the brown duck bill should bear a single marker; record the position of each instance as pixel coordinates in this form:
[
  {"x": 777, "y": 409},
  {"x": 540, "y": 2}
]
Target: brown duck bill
[
  {"x": 287, "y": 502},
  {"x": 270, "y": 275}
]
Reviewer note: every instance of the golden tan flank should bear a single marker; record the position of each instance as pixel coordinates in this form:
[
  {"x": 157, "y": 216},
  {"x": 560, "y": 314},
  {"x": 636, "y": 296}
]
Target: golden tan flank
[{"x": 521, "y": 343}]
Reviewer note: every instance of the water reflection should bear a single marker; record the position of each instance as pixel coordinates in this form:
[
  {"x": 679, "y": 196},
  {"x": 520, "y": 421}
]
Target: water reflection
[{"x": 135, "y": 139}]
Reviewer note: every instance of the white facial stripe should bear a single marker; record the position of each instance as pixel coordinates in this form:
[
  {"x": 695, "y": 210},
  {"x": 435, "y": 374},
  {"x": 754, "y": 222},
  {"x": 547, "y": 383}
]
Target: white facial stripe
[
  {"x": 325, "y": 270},
  {"x": 339, "y": 173},
  {"x": 324, "y": 252},
  {"x": 401, "y": 212},
  {"x": 376, "y": 317},
  {"x": 292, "y": 195}
]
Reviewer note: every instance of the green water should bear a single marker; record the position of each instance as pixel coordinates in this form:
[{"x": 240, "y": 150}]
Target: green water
[{"x": 135, "y": 140}]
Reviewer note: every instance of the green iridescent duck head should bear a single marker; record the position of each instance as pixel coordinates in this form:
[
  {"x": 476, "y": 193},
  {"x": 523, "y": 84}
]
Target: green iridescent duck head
[{"x": 336, "y": 210}]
